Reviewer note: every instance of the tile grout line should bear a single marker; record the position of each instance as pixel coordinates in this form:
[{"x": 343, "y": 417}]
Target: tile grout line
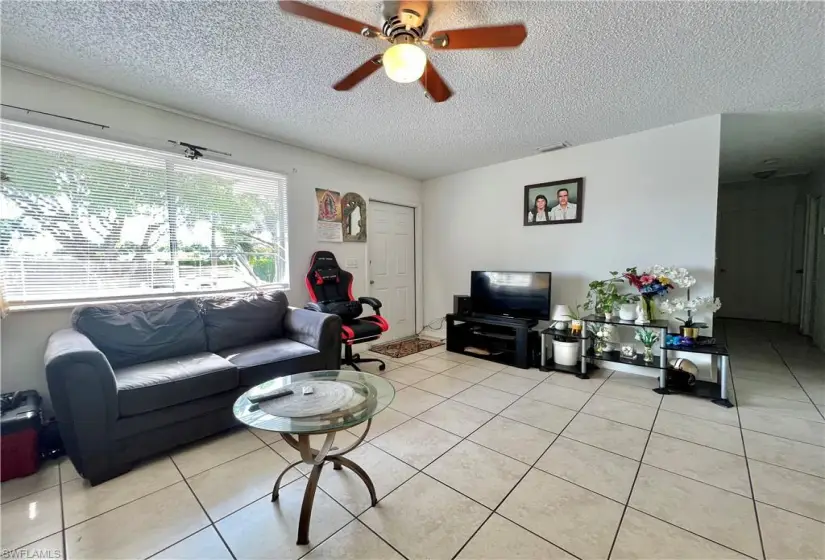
[
  {"x": 689, "y": 531},
  {"x": 790, "y": 370},
  {"x": 121, "y": 505},
  {"x": 748, "y": 466},
  {"x": 206, "y": 513},
  {"x": 635, "y": 478},
  {"x": 466, "y": 438},
  {"x": 507, "y": 495},
  {"x": 791, "y": 512},
  {"x": 62, "y": 512}
]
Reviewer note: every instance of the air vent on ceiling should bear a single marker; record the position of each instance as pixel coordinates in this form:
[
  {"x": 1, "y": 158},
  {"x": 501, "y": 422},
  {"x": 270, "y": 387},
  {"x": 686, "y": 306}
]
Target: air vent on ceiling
[
  {"x": 765, "y": 174},
  {"x": 553, "y": 147}
]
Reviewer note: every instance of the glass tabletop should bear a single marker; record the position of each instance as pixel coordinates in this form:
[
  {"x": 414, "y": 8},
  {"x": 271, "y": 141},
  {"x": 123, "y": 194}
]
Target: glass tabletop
[{"x": 340, "y": 399}]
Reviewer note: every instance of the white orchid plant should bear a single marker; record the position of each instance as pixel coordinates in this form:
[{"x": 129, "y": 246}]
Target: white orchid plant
[{"x": 681, "y": 278}]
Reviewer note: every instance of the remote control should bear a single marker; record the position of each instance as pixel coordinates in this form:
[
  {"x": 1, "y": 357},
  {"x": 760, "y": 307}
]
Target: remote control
[{"x": 270, "y": 395}]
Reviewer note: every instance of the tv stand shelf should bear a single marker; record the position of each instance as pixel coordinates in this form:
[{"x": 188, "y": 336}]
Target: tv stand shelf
[{"x": 508, "y": 341}]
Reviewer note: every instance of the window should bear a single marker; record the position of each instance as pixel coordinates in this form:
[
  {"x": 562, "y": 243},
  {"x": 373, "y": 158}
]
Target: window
[{"x": 82, "y": 218}]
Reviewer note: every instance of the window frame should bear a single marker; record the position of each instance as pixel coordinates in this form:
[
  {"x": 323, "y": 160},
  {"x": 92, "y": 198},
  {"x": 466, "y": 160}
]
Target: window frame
[{"x": 171, "y": 158}]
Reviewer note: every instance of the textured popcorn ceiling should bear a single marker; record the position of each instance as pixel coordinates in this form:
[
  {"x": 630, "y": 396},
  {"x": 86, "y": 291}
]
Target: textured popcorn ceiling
[
  {"x": 588, "y": 71},
  {"x": 796, "y": 141}
]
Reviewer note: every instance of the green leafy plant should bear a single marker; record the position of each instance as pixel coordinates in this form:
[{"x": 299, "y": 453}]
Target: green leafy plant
[
  {"x": 628, "y": 298},
  {"x": 603, "y": 295},
  {"x": 576, "y": 312}
]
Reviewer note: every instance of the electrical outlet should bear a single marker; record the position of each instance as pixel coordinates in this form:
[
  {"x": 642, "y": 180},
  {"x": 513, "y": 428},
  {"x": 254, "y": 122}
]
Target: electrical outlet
[{"x": 352, "y": 263}]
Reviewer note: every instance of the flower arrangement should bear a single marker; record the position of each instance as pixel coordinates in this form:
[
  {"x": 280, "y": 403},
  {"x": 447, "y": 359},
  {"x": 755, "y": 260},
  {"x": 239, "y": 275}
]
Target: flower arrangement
[
  {"x": 649, "y": 283},
  {"x": 648, "y": 338},
  {"x": 705, "y": 303},
  {"x": 601, "y": 337}
]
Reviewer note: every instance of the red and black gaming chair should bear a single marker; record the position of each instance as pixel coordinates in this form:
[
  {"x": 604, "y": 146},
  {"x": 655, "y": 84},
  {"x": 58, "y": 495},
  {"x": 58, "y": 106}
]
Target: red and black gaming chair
[{"x": 330, "y": 289}]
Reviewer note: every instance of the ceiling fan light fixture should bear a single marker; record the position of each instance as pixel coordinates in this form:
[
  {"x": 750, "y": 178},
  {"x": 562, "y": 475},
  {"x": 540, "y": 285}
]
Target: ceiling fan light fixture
[{"x": 404, "y": 62}]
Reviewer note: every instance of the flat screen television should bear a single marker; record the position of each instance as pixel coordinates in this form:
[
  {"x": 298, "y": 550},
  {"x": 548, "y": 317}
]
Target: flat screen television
[{"x": 524, "y": 295}]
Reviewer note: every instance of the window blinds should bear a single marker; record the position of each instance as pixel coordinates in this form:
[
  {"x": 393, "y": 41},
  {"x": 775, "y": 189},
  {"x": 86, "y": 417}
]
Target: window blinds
[{"x": 88, "y": 219}]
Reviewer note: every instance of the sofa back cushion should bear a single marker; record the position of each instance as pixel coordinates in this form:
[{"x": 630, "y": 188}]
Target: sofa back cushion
[
  {"x": 241, "y": 320},
  {"x": 134, "y": 333}
]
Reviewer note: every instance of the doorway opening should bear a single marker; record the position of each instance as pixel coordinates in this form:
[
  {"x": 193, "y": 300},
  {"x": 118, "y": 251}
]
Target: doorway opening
[{"x": 770, "y": 241}]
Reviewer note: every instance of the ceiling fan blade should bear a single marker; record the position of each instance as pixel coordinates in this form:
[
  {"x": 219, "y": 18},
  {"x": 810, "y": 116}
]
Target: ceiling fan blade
[
  {"x": 493, "y": 37},
  {"x": 323, "y": 16},
  {"x": 359, "y": 74},
  {"x": 434, "y": 84}
]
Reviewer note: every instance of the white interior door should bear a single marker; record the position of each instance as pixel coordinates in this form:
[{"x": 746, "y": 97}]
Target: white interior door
[{"x": 391, "y": 240}]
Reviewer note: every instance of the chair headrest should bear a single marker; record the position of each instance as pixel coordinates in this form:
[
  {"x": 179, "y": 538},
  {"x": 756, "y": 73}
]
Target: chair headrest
[{"x": 323, "y": 259}]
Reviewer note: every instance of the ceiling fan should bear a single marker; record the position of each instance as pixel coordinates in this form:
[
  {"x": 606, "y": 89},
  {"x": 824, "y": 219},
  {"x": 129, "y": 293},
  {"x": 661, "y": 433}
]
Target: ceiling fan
[{"x": 404, "y": 27}]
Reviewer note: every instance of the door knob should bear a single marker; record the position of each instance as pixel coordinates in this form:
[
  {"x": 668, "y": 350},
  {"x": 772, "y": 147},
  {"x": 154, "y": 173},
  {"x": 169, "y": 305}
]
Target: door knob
[{"x": 372, "y": 281}]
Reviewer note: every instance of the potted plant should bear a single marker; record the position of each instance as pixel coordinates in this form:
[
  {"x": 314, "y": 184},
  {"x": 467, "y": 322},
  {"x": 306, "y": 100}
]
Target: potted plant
[
  {"x": 690, "y": 327},
  {"x": 627, "y": 306},
  {"x": 576, "y": 319},
  {"x": 648, "y": 338},
  {"x": 603, "y": 295},
  {"x": 566, "y": 350}
]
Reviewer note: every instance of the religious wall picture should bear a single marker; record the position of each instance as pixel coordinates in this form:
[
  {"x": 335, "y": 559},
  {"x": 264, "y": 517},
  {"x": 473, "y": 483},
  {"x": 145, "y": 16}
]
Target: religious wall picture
[
  {"x": 355, "y": 217},
  {"x": 329, "y": 215},
  {"x": 556, "y": 202}
]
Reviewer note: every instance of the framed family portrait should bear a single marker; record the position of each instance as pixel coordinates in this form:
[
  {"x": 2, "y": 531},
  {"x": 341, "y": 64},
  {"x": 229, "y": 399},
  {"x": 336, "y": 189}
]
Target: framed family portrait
[{"x": 556, "y": 202}]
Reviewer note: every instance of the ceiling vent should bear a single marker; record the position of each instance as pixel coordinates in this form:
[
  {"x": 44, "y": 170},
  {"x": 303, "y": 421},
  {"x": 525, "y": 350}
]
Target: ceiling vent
[
  {"x": 553, "y": 147},
  {"x": 766, "y": 174}
]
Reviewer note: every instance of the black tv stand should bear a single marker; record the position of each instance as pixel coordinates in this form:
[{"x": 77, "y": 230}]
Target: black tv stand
[{"x": 497, "y": 338}]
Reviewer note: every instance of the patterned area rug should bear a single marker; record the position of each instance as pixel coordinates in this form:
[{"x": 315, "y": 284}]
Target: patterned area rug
[{"x": 401, "y": 348}]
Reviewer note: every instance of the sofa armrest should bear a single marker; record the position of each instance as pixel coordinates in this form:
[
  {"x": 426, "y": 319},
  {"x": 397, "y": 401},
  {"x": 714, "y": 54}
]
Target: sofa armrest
[
  {"x": 83, "y": 391},
  {"x": 318, "y": 330},
  {"x": 321, "y": 331}
]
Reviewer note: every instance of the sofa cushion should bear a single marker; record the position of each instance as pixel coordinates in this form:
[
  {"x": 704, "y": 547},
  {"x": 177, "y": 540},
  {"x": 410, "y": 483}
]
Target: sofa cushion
[
  {"x": 134, "y": 333},
  {"x": 145, "y": 387},
  {"x": 275, "y": 358},
  {"x": 242, "y": 320}
]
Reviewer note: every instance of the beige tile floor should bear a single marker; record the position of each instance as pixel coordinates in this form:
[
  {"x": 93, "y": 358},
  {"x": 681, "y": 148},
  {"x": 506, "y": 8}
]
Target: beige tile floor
[{"x": 476, "y": 461}]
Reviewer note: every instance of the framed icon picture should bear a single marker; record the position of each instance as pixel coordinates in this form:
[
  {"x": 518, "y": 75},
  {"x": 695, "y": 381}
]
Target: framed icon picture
[{"x": 556, "y": 202}]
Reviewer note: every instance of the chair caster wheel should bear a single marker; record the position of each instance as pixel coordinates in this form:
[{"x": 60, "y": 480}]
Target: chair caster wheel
[{"x": 382, "y": 367}]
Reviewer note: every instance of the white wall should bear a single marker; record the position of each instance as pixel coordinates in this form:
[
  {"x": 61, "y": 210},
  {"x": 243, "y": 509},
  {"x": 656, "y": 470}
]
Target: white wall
[
  {"x": 649, "y": 198},
  {"x": 24, "y": 333}
]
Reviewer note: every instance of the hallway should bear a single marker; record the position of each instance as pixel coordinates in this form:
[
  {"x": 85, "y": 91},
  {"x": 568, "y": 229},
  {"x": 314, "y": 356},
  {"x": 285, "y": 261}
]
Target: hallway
[{"x": 779, "y": 384}]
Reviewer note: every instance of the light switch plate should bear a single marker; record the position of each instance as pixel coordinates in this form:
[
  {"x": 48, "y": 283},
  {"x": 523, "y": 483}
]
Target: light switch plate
[{"x": 352, "y": 263}]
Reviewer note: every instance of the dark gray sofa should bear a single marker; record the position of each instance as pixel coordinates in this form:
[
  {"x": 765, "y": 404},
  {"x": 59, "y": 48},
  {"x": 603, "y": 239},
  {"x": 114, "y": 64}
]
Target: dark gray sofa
[{"x": 130, "y": 380}]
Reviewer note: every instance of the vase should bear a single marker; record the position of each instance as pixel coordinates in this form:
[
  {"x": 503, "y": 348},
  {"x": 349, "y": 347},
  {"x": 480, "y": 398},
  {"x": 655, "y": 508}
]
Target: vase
[
  {"x": 628, "y": 351},
  {"x": 627, "y": 312},
  {"x": 648, "y": 355},
  {"x": 689, "y": 332},
  {"x": 608, "y": 315},
  {"x": 645, "y": 310}
]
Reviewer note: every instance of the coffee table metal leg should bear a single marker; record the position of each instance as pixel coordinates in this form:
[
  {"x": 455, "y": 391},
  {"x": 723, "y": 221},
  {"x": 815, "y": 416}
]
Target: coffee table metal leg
[
  {"x": 306, "y": 506},
  {"x": 362, "y": 474},
  {"x": 280, "y": 477}
]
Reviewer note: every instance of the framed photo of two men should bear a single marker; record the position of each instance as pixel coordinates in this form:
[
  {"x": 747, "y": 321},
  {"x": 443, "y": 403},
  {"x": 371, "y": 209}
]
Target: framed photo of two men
[{"x": 556, "y": 202}]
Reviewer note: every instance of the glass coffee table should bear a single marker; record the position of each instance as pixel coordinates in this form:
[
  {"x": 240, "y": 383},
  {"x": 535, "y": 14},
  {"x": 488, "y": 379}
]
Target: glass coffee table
[{"x": 335, "y": 400}]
